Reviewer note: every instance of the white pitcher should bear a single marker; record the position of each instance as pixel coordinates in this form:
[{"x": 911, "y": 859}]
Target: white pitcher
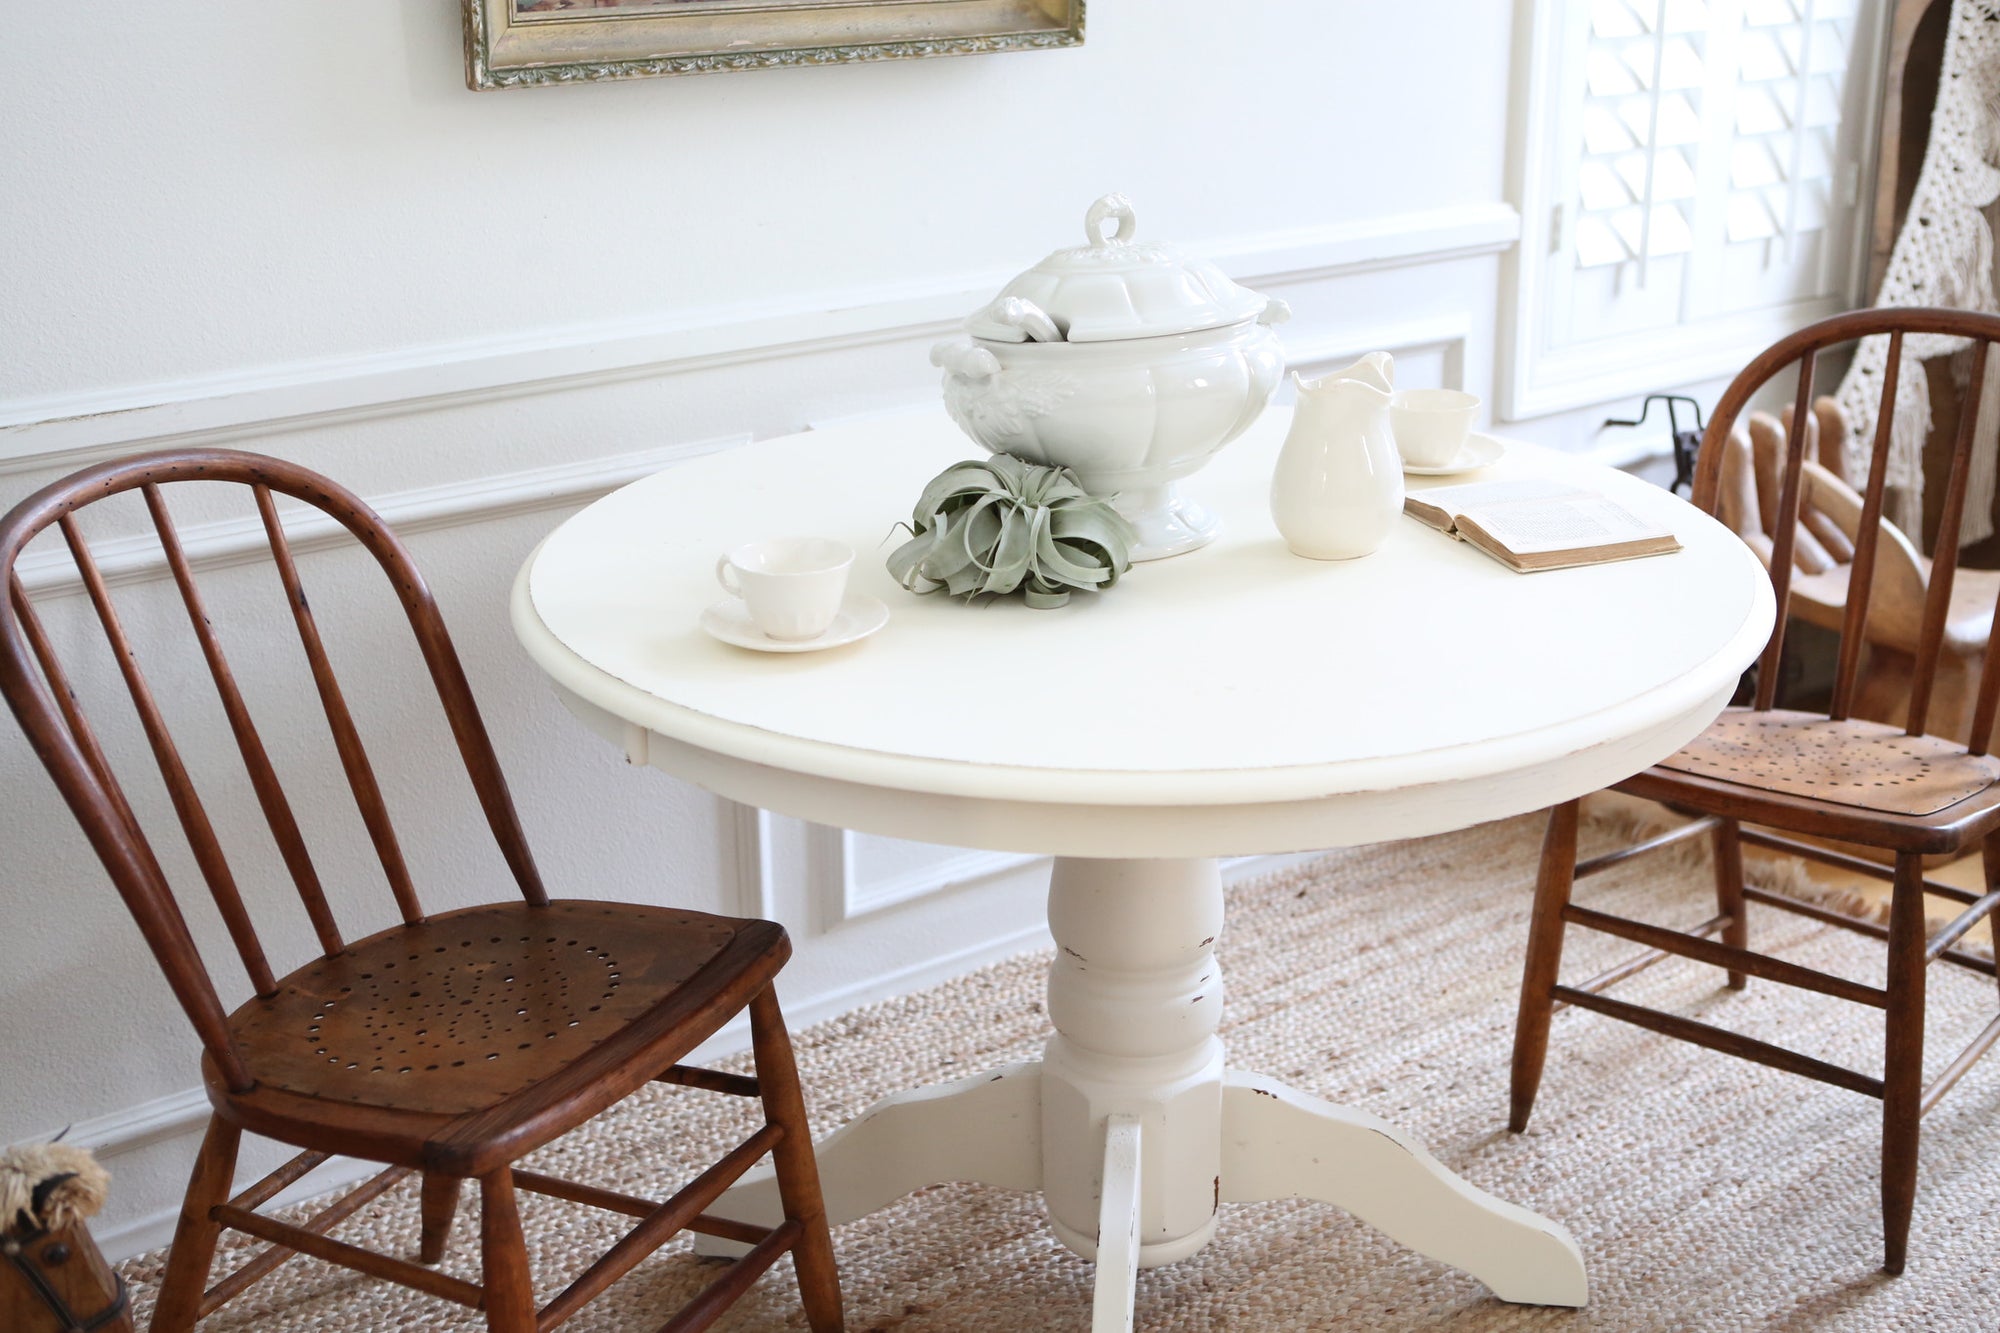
[{"x": 1339, "y": 484}]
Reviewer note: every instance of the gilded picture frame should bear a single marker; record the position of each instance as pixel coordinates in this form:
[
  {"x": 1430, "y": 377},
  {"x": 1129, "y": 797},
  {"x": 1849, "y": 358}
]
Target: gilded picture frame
[{"x": 531, "y": 43}]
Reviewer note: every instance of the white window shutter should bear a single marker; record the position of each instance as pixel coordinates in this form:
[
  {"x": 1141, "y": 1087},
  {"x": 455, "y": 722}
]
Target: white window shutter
[{"x": 1702, "y": 156}]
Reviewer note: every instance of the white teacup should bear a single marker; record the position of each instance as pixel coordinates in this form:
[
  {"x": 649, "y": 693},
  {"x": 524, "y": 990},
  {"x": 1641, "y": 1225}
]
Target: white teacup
[
  {"x": 792, "y": 586},
  {"x": 1431, "y": 425}
]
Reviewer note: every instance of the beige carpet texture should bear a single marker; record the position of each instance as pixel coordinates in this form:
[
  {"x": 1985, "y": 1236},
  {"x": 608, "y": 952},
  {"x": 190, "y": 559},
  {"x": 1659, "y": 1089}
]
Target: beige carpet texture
[{"x": 1706, "y": 1193}]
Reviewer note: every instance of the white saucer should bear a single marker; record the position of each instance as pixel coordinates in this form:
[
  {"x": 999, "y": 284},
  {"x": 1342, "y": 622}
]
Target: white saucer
[
  {"x": 1477, "y": 451},
  {"x": 729, "y": 620}
]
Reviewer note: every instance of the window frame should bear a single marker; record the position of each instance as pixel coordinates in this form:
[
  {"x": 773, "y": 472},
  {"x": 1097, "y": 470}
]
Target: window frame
[{"x": 1536, "y": 379}]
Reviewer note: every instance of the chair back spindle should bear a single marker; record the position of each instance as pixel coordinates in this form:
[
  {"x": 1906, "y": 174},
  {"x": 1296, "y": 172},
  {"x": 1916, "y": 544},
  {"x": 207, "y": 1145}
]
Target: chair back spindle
[
  {"x": 1861, "y": 577},
  {"x": 263, "y": 779},
  {"x": 353, "y": 757},
  {"x": 188, "y": 807},
  {"x": 1944, "y": 564},
  {"x": 40, "y": 693},
  {"x": 1786, "y": 536}
]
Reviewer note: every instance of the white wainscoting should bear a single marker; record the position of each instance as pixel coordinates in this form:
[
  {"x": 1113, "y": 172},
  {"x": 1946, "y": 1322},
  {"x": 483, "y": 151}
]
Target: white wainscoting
[
  {"x": 78, "y": 428},
  {"x": 870, "y": 918},
  {"x": 850, "y": 894}
]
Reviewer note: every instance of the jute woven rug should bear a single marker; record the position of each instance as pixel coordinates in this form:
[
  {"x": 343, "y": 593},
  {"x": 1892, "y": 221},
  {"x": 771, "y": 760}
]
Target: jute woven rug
[{"x": 1706, "y": 1193}]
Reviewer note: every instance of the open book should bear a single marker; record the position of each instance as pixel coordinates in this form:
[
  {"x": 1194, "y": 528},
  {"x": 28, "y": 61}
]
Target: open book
[{"x": 1535, "y": 523}]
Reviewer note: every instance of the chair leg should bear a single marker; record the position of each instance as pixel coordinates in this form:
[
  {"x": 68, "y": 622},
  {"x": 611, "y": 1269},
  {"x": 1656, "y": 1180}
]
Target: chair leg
[
  {"x": 1989, "y": 863},
  {"x": 1538, "y": 977},
  {"x": 1729, "y": 890},
  {"x": 440, "y": 1206},
  {"x": 1903, "y": 1059},
  {"x": 186, "y": 1280},
  {"x": 503, "y": 1257},
  {"x": 797, "y": 1169}
]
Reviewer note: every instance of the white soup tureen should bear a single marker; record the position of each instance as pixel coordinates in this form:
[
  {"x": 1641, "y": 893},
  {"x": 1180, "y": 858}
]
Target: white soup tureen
[{"x": 1128, "y": 362}]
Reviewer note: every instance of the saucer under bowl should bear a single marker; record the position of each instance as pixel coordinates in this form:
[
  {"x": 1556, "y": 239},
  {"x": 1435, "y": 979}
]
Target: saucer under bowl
[
  {"x": 1478, "y": 451},
  {"x": 729, "y": 620}
]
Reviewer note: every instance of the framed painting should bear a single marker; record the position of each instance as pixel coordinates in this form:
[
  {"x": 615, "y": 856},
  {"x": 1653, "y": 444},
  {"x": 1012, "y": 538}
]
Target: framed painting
[{"x": 526, "y": 43}]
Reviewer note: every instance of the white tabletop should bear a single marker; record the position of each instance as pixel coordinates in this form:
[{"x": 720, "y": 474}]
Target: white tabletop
[{"x": 1238, "y": 698}]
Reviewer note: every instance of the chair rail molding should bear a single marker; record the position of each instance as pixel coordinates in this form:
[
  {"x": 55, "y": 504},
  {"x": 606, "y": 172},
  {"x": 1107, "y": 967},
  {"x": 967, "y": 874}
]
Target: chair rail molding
[
  {"x": 226, "y": 542},
  {"x": 71, "y": 429}
]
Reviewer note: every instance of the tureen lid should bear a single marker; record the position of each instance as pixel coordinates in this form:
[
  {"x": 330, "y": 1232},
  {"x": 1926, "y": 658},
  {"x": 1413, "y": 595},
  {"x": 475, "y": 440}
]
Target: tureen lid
[{"x": 1115, "y": 287}]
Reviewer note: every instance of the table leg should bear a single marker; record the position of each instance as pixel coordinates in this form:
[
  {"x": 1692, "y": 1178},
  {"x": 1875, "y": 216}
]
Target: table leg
[
  {"x": 1135, "y": 995},
  {"x": 986, "y": 1129},
  {"x": 1135, "y": 1075},
  {"x": 1283, "y": 1144},
  {"x": 1118, "y": 1229}
]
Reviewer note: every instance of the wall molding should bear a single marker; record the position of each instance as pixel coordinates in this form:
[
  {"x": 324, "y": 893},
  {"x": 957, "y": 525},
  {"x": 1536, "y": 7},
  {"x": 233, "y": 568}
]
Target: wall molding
[
  {"x": 1448, "y": 333},
  {"x": 135, "y": 1127},
  {"x": 756, "y": 883},
  {"x": 236, "y": 541},
  {"x": 69, "y": 429},
  {"x": 846, "y": 896},
  {"x": 184, "y": 1114}
]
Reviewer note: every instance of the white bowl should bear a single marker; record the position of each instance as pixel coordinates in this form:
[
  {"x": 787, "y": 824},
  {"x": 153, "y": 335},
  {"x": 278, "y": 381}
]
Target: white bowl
[{"x": 1431, "y": 425}]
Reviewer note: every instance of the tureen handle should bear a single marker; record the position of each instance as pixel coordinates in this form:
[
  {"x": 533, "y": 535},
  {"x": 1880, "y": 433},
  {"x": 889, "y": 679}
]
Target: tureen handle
[
  {"x": 1110, "y": 206},
  {"x": 961, "y": 356}
]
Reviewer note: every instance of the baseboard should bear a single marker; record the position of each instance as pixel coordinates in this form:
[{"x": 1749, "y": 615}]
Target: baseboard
[
  {"x": 155, "y": 1230},
  {"x": 178, "y": 1115},
  {"x": 134, "y": 1127},
  {"x": 185, "y": 1113}
]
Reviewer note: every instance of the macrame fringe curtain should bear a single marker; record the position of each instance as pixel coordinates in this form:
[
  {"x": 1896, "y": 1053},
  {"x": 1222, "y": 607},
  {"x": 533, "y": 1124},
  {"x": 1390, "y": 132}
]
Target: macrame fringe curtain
[{"x": 1944, "y": 257}]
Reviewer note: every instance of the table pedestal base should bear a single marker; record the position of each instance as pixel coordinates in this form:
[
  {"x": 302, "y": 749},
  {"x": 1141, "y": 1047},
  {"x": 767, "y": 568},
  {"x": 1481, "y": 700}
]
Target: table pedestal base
[{"x": 1136, "y": 1133}]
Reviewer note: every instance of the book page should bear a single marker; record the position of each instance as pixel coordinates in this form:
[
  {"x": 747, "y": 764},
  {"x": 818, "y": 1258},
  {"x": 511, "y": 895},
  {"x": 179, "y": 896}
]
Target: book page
[
  {"x": 1455, "y": 500},
  {"x": 1571, "y": 521}
]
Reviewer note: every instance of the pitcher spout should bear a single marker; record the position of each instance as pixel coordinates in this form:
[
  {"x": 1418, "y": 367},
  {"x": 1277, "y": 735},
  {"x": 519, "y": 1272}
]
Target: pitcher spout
[
  {"x": 1361, "y": 393},
  {"x": 1377, "y": 370}
]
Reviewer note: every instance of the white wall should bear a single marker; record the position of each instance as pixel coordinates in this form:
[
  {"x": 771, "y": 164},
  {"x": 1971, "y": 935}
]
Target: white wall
[{"x": 290, "y": 226}]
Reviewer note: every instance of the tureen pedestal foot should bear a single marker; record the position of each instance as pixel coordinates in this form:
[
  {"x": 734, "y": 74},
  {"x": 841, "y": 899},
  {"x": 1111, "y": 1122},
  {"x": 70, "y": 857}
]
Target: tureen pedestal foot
[{"x": 1168, "y": 522}]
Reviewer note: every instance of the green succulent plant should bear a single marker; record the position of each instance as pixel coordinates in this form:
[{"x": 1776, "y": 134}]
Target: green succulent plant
[{"x": 1001, "y": 523}]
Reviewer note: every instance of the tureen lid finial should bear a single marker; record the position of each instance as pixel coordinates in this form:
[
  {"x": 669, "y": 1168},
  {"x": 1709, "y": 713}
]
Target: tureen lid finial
[{"x": 1110, "y": 206}]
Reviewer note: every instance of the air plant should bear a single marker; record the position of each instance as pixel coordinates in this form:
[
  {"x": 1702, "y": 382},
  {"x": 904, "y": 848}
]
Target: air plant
[{"x": 997, "y": 524}]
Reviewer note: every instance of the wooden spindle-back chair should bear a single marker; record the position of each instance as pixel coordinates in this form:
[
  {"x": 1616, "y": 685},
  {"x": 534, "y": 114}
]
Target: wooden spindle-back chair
[
  {"x": 451, "y": 1044},
  {"x": 1824, "y": 775}
]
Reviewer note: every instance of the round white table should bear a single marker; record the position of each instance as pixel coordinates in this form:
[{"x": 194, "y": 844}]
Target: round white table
[{"x": 1234, "y": 700}]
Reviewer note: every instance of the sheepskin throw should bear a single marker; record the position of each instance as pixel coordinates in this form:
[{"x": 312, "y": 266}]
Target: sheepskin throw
[{"x": 1943, "y": 256}]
